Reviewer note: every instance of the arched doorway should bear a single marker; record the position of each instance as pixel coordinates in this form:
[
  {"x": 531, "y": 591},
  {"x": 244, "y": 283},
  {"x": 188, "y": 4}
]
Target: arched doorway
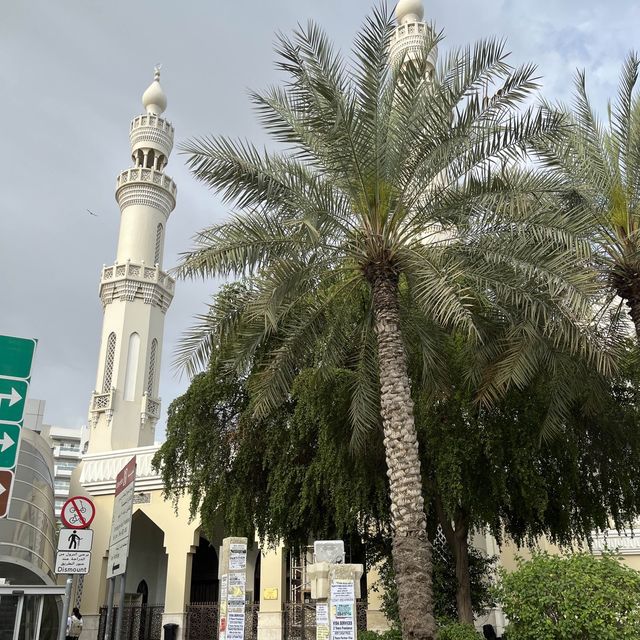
[{"x": 204, "y": 573}]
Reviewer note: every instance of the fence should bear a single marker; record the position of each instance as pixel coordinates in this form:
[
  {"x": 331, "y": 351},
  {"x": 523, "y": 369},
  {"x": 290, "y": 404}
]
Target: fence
[
  {"x": 203, "y": 619},
  {"x": 299, "y": 619},
  {"x": 139, "y": 622}
]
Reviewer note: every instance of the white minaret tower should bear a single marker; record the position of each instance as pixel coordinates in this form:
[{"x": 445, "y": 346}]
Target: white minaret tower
[
  {"x": 407, "y": 40},
  {"x": 135, "y": 291}
]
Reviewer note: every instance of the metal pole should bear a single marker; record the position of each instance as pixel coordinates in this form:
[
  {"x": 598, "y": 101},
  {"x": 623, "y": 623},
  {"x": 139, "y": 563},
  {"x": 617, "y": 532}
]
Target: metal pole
[
  {"x": 62, "y": 634},
  {"x": 123, "y": 580},
  {"x": 107, "y": 629}
]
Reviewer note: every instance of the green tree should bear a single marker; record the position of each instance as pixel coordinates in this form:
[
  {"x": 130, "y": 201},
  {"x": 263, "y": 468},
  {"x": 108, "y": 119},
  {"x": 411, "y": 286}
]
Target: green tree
[
  {"x": 600, "y": 162},
  {"x": 390, "y": 178},
  {"x": 572, "y": 597},
  {"x": 487, "y": 468}
]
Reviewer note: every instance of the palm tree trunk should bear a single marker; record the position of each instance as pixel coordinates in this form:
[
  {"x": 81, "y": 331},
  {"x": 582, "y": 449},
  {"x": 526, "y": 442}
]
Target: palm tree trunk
[
  {"x": 634, "y": 311},
  {"x": 411, "y": 549}
]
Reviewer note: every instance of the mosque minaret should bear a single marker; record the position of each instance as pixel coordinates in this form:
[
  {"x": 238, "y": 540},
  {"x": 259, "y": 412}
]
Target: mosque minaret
[{"x": 135, "y": 291}]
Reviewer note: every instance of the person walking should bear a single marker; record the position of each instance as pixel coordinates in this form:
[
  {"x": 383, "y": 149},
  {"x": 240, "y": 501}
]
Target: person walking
[{"x": 74, "y": 624}]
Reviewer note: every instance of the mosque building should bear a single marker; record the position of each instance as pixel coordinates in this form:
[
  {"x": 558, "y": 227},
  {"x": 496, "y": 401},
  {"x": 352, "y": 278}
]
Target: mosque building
[{"x": 172, "y": 570}]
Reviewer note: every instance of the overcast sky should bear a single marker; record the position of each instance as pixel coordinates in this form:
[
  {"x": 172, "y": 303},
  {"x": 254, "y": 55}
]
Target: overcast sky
[{"x": 71, "y": 77}]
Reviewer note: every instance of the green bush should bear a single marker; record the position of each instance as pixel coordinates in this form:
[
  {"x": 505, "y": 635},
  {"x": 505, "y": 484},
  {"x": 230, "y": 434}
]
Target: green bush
[
  {"x": 457, "y": 631},
  {"x": 571, "y": 597},
  {"x": 391, "y": 634}
]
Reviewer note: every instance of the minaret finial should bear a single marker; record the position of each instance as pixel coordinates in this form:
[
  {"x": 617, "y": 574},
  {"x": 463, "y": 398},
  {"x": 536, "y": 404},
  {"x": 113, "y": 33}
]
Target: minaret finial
[{"x": 153, "y": 98}]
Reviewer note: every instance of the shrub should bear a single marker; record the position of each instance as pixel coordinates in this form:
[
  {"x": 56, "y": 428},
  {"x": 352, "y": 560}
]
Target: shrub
[
  {"x": 457, "y": 631},
  {"x": 571, "y": 597},
  {"x": 391, "y": 634}
]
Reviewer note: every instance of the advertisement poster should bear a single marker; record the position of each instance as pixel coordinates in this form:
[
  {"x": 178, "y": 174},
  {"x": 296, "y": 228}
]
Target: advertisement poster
[
  {"x": 237, "y": 557},
  {"x": 235, "y": 625},
  {"x": 342, "y": 591}
]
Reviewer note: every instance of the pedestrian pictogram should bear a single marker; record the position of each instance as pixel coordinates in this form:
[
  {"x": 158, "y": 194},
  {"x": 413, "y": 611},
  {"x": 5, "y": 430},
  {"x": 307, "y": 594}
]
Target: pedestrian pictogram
[
  {"x": 78, "y": 512},
  {"x": 79, "y": 540}
]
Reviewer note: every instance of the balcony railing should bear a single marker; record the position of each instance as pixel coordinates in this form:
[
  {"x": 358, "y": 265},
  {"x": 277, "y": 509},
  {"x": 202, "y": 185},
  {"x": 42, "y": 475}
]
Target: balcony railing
[{"x": 150, "y": 408}]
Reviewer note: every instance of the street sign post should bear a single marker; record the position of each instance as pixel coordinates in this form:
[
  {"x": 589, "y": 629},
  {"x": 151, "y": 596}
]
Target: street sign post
[
  {"x": 121, "y": 521},
  {"x": 78, "y": 512},
  {"x": 16, "y": 358}
]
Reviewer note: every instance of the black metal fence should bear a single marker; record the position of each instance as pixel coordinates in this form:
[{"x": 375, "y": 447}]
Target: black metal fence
[
  {"x": 299, "y": 619},
  {"x": 203, "y": 619},
  {"x": 139, "y": 622}
]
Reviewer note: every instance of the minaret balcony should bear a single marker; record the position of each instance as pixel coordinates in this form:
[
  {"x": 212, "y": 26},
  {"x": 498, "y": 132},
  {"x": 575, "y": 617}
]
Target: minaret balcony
[
  {"x": 150, "y": 410},
  {"x": 101, "y": 403},
  {"x": 409, "y": 38},
  {"x": 147, "y": 187},
  {"x": 131, "y": 281},
  {"x": 150, "y": 131}
]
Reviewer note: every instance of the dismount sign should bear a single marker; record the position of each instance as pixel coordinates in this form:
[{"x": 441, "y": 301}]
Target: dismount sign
[{"x": 78, "y": 512}]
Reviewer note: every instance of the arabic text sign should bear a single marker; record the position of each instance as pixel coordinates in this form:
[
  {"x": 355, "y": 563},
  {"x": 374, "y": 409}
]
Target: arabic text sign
[
  {"x": 72, "y": 562},
  {"x": 121, "y": 523}
]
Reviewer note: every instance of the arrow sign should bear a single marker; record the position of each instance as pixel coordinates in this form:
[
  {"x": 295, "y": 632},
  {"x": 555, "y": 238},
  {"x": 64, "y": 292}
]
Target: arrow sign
[
  {"x": 5, "y": 442},
  {"x": 9, "y": 438},
  {"x": 6, "y": 483},
  {"x": 12, "y": 397}
]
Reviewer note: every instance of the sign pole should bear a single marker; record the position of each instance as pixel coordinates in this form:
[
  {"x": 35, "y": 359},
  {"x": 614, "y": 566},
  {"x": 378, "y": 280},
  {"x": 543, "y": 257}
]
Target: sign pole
[
  {"x": 123, "y": 580},
  {"x": 110, "y": 593},
  {"x": 66, "y": 601}
]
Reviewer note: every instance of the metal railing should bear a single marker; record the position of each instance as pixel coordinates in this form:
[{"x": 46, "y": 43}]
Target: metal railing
[
  {"x": 139, "y": 622},
  {"x": 299, "y": 619}
]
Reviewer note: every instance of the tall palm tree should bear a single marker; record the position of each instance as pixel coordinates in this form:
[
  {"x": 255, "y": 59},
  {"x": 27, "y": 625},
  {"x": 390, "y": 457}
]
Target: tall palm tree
[
  {"x": 601, "y": 163},
  {"x": 388, "y": 185}
]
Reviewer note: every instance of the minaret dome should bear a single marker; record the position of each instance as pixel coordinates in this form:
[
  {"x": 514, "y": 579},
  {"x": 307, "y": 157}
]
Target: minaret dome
[
  {"x": 154, "y": 99},
  {"x": 409, "y": 11}
]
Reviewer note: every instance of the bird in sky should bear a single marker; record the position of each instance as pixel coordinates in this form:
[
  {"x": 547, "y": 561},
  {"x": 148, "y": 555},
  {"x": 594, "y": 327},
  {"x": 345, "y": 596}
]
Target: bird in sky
[{"x": 91, "y": 213}]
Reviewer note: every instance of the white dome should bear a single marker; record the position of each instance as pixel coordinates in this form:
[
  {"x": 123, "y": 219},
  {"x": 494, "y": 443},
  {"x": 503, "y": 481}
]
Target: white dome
[
  {"x": 154, "y": 99},
  {"x": 409, "y": 11}
]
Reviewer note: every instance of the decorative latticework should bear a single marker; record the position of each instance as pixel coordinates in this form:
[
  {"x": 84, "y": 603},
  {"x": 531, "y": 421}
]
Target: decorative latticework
[
  {"x": 158, "y": 244},
  {"x": 299, "y": 619},
  {"x": 139, "y": 622},
  {"x": 152, "y": 367},
  {"x": 108, "y": 363},
  {"x": 203, "y": 619}
]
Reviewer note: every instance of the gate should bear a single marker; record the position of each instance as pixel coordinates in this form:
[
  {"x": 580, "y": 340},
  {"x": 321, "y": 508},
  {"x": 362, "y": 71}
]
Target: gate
[
  {"x": 299, "y": 619},
  {"x": 203, "y": 619},
  {"x": 139, "y": 622}
]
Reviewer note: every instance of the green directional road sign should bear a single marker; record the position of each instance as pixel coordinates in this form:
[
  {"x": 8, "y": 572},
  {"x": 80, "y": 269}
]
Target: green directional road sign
[
  {"x": 16, "y": 356},
  {"x": 9, "y": 439},
  {"x": 13, "y": 394}
]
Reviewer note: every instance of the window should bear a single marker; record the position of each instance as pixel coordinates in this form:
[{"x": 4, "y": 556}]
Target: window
[
  {"x": 132, "y": 367},
  {"x": 108, "y": 363},
  {"x": 152, "y": 367},
  {"x": 158, "y": 244}
]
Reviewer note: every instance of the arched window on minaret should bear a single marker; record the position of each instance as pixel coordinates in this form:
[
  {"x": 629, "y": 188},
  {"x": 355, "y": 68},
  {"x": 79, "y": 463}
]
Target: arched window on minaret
[
  {"x": 152, "y": 367},
  {"x": 132, "y": 367},
  {"x": 158, "y": 243},
  {"x": 108, "y": 363}
]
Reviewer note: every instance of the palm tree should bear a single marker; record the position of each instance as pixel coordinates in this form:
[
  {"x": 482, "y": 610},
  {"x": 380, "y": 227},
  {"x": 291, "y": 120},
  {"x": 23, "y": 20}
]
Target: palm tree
[
  {"x": 601, "y": 164},
  {"x": 389, "y": 185}
]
